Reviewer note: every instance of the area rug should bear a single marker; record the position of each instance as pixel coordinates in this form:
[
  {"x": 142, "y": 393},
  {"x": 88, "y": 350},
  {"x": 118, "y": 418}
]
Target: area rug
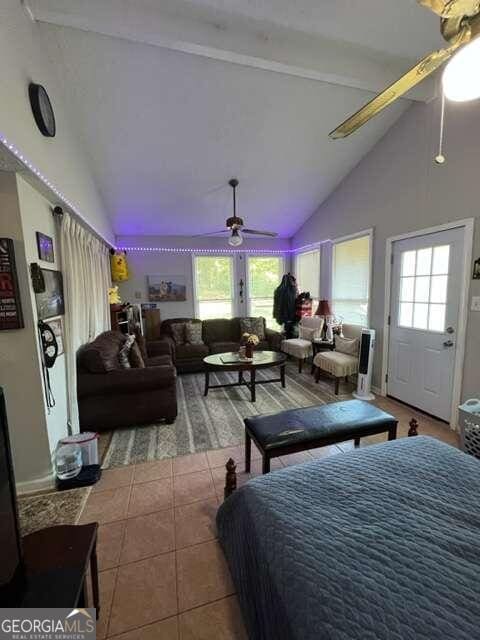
[
  {"x": 48, "y": 509},
  {"x": 216, "y": 421}
]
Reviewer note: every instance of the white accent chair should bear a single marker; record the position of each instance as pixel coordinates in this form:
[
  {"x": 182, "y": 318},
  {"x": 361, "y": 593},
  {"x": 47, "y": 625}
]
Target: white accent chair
[
  {"x": 343, "y": 361},
  {"x": 309, "y": 328}
]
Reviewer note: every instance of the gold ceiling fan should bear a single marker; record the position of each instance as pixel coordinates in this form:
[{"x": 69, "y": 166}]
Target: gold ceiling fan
[{"x": 460, "y": 25}]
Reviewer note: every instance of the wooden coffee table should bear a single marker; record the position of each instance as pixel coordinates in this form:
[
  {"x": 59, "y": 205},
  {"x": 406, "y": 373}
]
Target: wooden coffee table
[{"x": 231, "y": 362}]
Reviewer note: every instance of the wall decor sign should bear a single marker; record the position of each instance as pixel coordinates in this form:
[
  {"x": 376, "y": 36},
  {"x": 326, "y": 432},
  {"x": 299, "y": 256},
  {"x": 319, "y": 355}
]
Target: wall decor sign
[
  {"x": 11, "y": 316},
  {"x": 476, "y": 270},
  {"x": 167, "y": 288},
  {"x": 50, "y": 303},
  {"x": 45, "y": 247}
]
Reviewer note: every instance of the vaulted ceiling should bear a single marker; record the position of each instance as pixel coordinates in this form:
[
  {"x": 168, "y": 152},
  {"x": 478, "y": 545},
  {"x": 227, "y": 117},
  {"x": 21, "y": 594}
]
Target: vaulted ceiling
[{"x": 171, "y": 99}]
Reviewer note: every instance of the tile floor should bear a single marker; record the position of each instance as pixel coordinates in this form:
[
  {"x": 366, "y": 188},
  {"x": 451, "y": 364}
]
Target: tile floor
[{"x": 162, "y": 572}]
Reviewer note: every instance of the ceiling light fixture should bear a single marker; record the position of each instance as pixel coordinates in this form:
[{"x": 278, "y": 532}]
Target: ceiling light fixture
[
  {"x": 461, "y": 79},
  {"x": 236, "y": 239}
]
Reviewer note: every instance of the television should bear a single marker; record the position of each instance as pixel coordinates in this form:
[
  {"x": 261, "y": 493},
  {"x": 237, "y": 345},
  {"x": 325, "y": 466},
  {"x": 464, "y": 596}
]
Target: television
[{"x": 11, "y": 569}]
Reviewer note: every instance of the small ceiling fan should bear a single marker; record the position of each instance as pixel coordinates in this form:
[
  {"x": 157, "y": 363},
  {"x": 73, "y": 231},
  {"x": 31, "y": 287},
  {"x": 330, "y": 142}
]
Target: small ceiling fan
[
  {"x": 459, "y": 26},
  {"x": 234, "y": 224}
]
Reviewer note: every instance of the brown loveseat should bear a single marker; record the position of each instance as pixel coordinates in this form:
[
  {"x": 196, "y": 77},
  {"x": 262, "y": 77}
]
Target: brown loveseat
[
  {"x": 110, "y": 396},
  {"x": 218, "y": 336}
]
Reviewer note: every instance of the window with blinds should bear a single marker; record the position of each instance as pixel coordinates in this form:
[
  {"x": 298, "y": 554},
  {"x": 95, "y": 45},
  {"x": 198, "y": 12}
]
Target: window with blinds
[
  {"x": 351, "y": 280},
  {"x": 307, "y": 272}
]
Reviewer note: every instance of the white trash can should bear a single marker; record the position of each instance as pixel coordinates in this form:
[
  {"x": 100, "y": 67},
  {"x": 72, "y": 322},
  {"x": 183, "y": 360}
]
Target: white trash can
[
  {"x": 88, "y": 442},
  {"x": 469, "y": 427}
]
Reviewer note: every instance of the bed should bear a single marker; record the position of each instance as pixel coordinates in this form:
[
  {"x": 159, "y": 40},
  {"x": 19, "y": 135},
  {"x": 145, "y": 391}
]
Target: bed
[{"x": 378, "y": 543}]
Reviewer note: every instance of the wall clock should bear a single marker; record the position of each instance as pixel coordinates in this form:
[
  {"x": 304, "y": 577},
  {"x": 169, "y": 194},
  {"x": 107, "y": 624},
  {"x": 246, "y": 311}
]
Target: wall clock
[{"x": 42, "y": 109}]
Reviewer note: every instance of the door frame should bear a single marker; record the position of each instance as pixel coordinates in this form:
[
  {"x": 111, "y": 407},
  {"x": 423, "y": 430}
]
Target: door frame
[{"x": 468, "y": 225}]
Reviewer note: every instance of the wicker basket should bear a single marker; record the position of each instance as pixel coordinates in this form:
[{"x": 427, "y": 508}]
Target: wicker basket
[{"x": 469, "y": 425}]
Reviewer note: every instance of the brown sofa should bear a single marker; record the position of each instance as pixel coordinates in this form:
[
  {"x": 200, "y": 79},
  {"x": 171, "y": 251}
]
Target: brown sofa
[
  {"x": 110, "y": 396},
  {"x": 219, "y": 336}
]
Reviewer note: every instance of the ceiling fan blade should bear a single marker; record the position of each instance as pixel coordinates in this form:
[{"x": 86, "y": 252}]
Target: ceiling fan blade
[
  {"x": 452, "y": 8},
  {"x": 254, "y": 232},
  {"x": 212, "y": 233},
  {"x": 421, "y": 70}
]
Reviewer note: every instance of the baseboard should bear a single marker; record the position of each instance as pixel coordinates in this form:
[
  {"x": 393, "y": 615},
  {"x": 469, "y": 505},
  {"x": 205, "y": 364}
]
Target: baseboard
[
  {"x": 377, "y": 391},
  {"x": 37, "y": 485}
]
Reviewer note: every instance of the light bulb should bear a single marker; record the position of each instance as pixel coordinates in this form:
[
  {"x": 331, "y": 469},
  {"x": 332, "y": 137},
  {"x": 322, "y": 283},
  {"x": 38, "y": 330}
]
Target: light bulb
[
  {"x": 236, "y": 238},
  {"x": 461, "y": 79}
]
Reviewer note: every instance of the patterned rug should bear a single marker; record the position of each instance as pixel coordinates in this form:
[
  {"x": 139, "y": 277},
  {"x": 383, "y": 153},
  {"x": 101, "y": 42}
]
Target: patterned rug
[
  {"x": 216, "y": 421},
  {"x": 49, "y": 509}
]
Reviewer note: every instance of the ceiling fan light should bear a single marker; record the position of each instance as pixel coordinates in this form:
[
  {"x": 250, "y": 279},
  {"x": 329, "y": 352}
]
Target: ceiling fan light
[
  {"x": 236, "y": 239},
  {"x": 461, "y": 78}
]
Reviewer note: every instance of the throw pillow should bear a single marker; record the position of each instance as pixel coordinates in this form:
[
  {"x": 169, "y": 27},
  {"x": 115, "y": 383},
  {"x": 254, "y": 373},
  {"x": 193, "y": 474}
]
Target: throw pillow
[
  {"x": 124, "y": 353},
  {"x": 253, "y": 325},
  {"x": 136, "y": 360},
  {"x": 193, "y": 332},
  {"x": 348, "y": 346},
  {"x": 178, "y": 332},
  {"x": 306, "y": 333}
]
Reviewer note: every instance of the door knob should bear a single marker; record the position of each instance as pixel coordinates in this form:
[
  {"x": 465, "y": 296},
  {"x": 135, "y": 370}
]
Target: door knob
[
  {"x": 448, "y": 343},
  {"x": 450, "y": 330}
]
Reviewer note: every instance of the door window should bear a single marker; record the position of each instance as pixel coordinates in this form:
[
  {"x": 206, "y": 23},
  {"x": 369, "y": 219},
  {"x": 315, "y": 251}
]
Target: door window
[{"x": 423, "y": 288}]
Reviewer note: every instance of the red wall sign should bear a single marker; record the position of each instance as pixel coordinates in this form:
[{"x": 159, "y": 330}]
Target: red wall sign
[{"x": 11, "y": 316}]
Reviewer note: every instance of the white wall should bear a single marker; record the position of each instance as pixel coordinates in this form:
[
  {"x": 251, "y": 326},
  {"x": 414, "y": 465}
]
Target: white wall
[
  {"x": 396, "y": 189},
  {"x": 146, "y": 263},
  {"x": 60, "y": 159},
  {"x": 20, "y": 373},
  {"x": 36, "y": 215}
]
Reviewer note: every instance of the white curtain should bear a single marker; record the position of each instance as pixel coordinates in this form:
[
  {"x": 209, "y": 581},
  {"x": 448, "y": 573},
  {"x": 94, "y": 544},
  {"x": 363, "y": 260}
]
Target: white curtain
[{"x": 86, "y": 279}]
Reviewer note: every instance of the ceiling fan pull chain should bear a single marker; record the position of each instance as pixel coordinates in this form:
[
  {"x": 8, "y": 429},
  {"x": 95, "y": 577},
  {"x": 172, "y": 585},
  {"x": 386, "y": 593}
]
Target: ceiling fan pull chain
[{"x": 440, "y": 158}]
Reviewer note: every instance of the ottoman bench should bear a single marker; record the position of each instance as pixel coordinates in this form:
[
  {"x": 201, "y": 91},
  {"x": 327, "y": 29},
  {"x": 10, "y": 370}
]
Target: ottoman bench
[{"x": 296, "y": 430}]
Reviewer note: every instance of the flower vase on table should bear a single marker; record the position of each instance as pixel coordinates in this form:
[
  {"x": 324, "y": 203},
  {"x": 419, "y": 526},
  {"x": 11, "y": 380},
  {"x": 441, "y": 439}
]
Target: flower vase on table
[{"x": 250, "y": 341}]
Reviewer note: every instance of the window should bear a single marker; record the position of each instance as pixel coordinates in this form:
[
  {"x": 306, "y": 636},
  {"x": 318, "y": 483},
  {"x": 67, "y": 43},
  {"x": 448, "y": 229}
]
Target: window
[
  {"x": 351, "y": 280},
  {"x": 214, "y": 286},
  {"x": 423, "y": 288},
  {"x": 264, "y": 275},
  {"x": 307, "y": 272}
]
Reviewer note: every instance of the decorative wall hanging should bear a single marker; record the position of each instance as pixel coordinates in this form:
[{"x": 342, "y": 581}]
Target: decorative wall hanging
[
  {"x": 119, "y": 266},
  {"x": 45, "y": 247},
  {"x": 38, "y": 281},
  {"x": 167, "y": 288},
  {"x": 476, "y": 269},
  {"x": 11, "y": 316},
  {"x": 56, "y": 326},
  {"x": 50, "y": 303}
]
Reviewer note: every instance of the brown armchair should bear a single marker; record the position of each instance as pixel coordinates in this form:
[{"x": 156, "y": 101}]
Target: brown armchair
[{"x": 110, "y": 396}]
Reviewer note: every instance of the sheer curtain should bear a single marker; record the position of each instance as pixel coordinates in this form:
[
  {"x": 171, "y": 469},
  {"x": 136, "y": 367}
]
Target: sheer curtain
[{"x": 86, "y": 279}]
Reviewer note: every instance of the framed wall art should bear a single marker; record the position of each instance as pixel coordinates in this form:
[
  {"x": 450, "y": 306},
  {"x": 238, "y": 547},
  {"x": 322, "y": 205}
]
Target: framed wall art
[
  {"x": 167, "y": 288},
  {"x": 45, "y": 247},
  {"x": 50, "y": 303},
  {"x": 11, "y": 316}
]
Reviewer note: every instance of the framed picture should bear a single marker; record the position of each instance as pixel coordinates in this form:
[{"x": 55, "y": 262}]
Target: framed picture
[
  {"x": 11, "y": 316},
  {"x": 45, "y": 247},
  {"x": 56, "y": 326},
  {"x": 50, "y": 303},
  {"x": 167, "y": 288}
]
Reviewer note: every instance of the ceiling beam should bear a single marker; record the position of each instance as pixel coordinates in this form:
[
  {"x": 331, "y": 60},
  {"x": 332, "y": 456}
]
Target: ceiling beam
[{"x": 181, "y": 26}]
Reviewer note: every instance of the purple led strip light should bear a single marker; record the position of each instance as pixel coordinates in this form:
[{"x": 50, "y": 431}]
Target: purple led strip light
[{"x": 306, "y": 247}]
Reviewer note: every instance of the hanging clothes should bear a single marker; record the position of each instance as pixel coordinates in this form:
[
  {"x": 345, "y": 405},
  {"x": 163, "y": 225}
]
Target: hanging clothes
[{"x": 284, "y": 310}]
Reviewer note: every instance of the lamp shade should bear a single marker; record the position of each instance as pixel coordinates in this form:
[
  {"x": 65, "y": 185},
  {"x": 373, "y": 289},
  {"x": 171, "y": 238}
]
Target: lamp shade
[{"x": 323, "y": 309}]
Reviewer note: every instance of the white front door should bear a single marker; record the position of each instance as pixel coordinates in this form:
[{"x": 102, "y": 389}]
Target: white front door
[{"x": 425, "y": 297}]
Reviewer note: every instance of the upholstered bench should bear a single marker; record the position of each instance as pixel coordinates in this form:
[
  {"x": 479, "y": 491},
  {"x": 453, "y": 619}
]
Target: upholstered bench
[{"x": 296, "y": 430}]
